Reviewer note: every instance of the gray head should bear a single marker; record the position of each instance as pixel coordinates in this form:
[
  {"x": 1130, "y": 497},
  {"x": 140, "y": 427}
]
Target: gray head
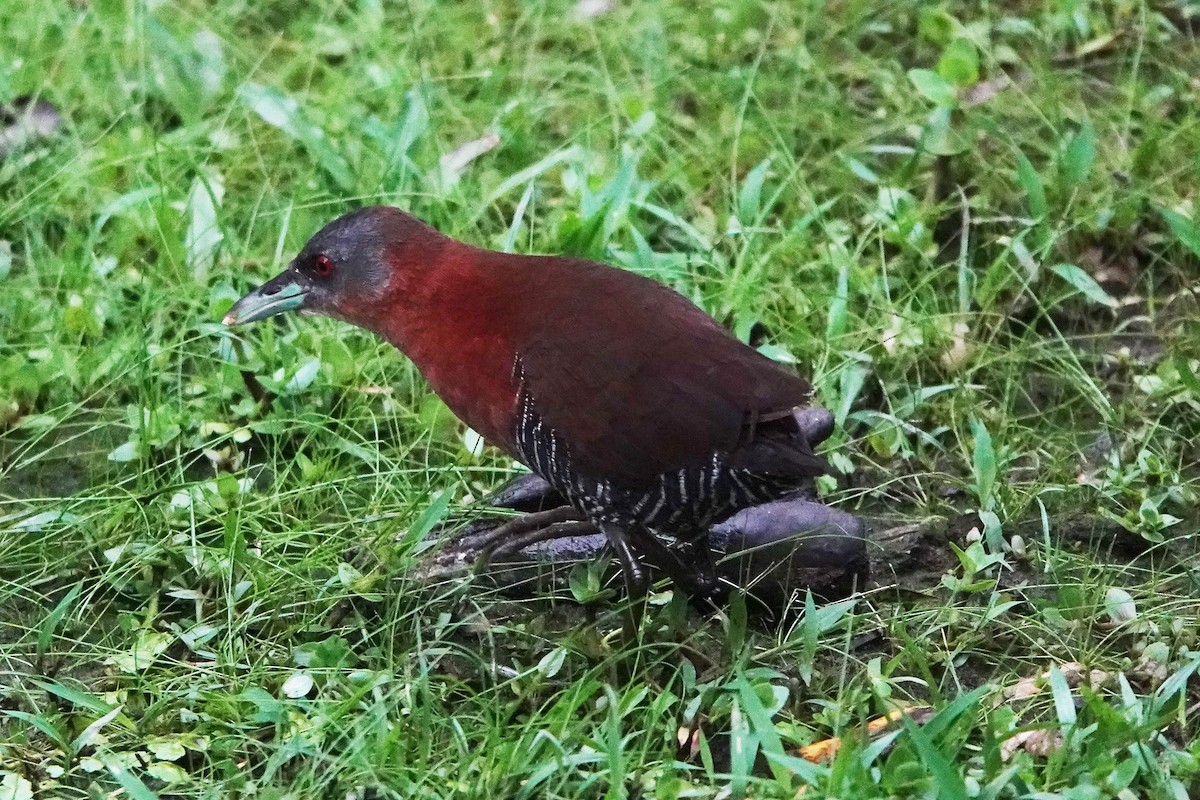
[{"x": 346, "y": 270}]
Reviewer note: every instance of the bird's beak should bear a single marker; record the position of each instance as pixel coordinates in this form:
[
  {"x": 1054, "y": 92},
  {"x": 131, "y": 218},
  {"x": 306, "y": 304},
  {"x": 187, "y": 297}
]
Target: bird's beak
[{"x": 284, "y": 292}]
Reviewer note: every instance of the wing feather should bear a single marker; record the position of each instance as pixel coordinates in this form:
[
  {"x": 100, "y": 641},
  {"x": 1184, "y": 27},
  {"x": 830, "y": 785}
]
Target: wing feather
[{"x": 639, "y": 381}]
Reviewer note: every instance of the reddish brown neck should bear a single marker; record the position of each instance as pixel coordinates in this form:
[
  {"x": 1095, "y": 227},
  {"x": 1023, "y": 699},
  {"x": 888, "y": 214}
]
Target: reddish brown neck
[{"x": 447, "y": 314}]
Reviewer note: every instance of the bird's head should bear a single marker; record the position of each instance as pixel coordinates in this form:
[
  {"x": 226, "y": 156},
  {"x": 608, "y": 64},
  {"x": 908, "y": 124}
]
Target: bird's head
[{"x": 348, "y": 270}]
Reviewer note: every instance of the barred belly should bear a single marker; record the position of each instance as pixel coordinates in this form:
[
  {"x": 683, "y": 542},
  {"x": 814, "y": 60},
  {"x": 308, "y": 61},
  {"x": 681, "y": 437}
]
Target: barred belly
[{"x": 683, "y": 502}]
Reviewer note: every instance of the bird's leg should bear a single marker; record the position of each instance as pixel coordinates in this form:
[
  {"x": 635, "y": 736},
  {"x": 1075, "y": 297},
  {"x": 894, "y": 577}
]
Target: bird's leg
[
  {"x": 771, "y": 550},
  {"x": 559, "y": 530},
  {"x": 703, "y": 567},
  {"x": 517, "y": 543},
  {"x": 637, "y": 580},
  {"x": 524, "y": 493},
  {"x": 683, "y": 574},
  {"x": 471, "y": 547},
  {"x": 487, "y": 541}
]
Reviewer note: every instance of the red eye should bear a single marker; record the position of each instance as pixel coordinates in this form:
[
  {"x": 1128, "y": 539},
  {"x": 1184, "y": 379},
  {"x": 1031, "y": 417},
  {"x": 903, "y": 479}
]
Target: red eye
[{"x": 323, "y": 266}]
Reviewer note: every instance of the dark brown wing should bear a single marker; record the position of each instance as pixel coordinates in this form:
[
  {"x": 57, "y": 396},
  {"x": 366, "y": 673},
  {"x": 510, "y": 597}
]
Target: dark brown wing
[{"x": 639, "y": 381}]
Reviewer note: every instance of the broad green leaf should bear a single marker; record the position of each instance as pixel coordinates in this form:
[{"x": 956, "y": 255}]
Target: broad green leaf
[
  {"x": 1064, "y": 701},
  {"x": 959, "y": 64},
  {"x": 810, "y": 629},
  {"x": 1079, "y": 155},
  {"x": 933, "y": 87},
  {"x": 808, "y": 772},
  {"x": 1035, "y": 189},
  {"x": 861, "y": 170},
  {"x": 750, "y": 207},
  {"x": 43, "y": 724},
  {"x": 761, "y": 723},
  {"x": 1119, "y": 606},
  {"x": 1084, "y": 283},
  {"x": 839, "y": 303},
  {"x": 366, "y": 455},
  {"x": 332, "y": 652},
  {"x": 942, "y": 137},
  {"x": 132, "y": 784},
  {"x": 415, "y": 122},
  {"x": 37, "y": 522},
  {"x": 572, "y": 153},
  {"x": 80, "y": 698},
  {"x": 518, "y": 217},
  {"x": 984, "y": 463},
  {"x": 49, "y": 627},
  {"x": 947, "y": 782},
  {"x": 854, "y": 376},
  {"x": 298, "y": 685},
  {"x": 702, "y": 242},
  {"x": 743, "y": 747},
  {"x": 125, "y": 202},
  {"x": 203, "y": 235},
  {"x": 166, "y": 772},
  {"x": 125, "y": 452},
  {"x": 166, "y": 748},
  {"x": 304, "y": 375},
  {"x": 1175, "y": 685},
  {"x": 1187, "y": 376},
  {"x": 269, "y": 427},
  {"x": 284, "y": 113},
  {"x": 15, "y": 787},
  {"x": 88, "y": 736},
  {"x": 552, "y": 662},
  {"x": 148, "y": 645},
  {"x": 434, "y": 513},
  {"x": 1187, "y": 231},
  {"x": 993, "y": 532},
  {"x": 935, "y": 24},
  {"x": 946, "y": 717}
]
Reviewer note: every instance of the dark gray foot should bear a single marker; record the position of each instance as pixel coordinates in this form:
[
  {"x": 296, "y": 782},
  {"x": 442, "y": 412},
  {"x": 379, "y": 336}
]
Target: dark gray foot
[
  {"x": 514, "y": 528},
  {"x": 773, "y": 551},
  {"x": 527, "y": 493},
  {"x": 689, "y": 565},
  {"x": 637, "y": 580}
]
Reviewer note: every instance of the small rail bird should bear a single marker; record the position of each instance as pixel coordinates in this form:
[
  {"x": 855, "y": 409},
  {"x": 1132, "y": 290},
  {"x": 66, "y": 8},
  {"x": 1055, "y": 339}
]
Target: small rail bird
[{"x": 631, "y": 402}]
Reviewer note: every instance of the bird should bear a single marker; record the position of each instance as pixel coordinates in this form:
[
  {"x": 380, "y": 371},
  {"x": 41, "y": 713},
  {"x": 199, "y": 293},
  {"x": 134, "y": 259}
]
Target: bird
[{"x": 629, "y": 400}]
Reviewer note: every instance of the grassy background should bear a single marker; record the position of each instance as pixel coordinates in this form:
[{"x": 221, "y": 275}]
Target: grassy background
[{"x": 973, "y": 224}]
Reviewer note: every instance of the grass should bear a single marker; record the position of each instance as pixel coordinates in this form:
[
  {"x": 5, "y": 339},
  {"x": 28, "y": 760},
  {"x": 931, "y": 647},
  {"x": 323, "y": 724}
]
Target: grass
[{"x": 989, "y": 278}]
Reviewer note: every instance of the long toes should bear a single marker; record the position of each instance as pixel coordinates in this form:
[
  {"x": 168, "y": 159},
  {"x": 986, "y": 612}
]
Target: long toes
[
  {"x": 559, "y": 530},
  {"x": 516, "y": 526}
]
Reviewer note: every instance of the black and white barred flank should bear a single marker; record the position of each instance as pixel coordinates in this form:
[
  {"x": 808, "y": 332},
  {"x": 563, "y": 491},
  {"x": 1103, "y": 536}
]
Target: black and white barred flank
[{"x": 683, "y": 502}]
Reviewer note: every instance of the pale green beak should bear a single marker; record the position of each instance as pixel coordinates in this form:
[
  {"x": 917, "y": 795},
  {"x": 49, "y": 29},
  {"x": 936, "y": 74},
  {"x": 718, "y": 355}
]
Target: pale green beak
[{"x": 282, "y": 293}]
